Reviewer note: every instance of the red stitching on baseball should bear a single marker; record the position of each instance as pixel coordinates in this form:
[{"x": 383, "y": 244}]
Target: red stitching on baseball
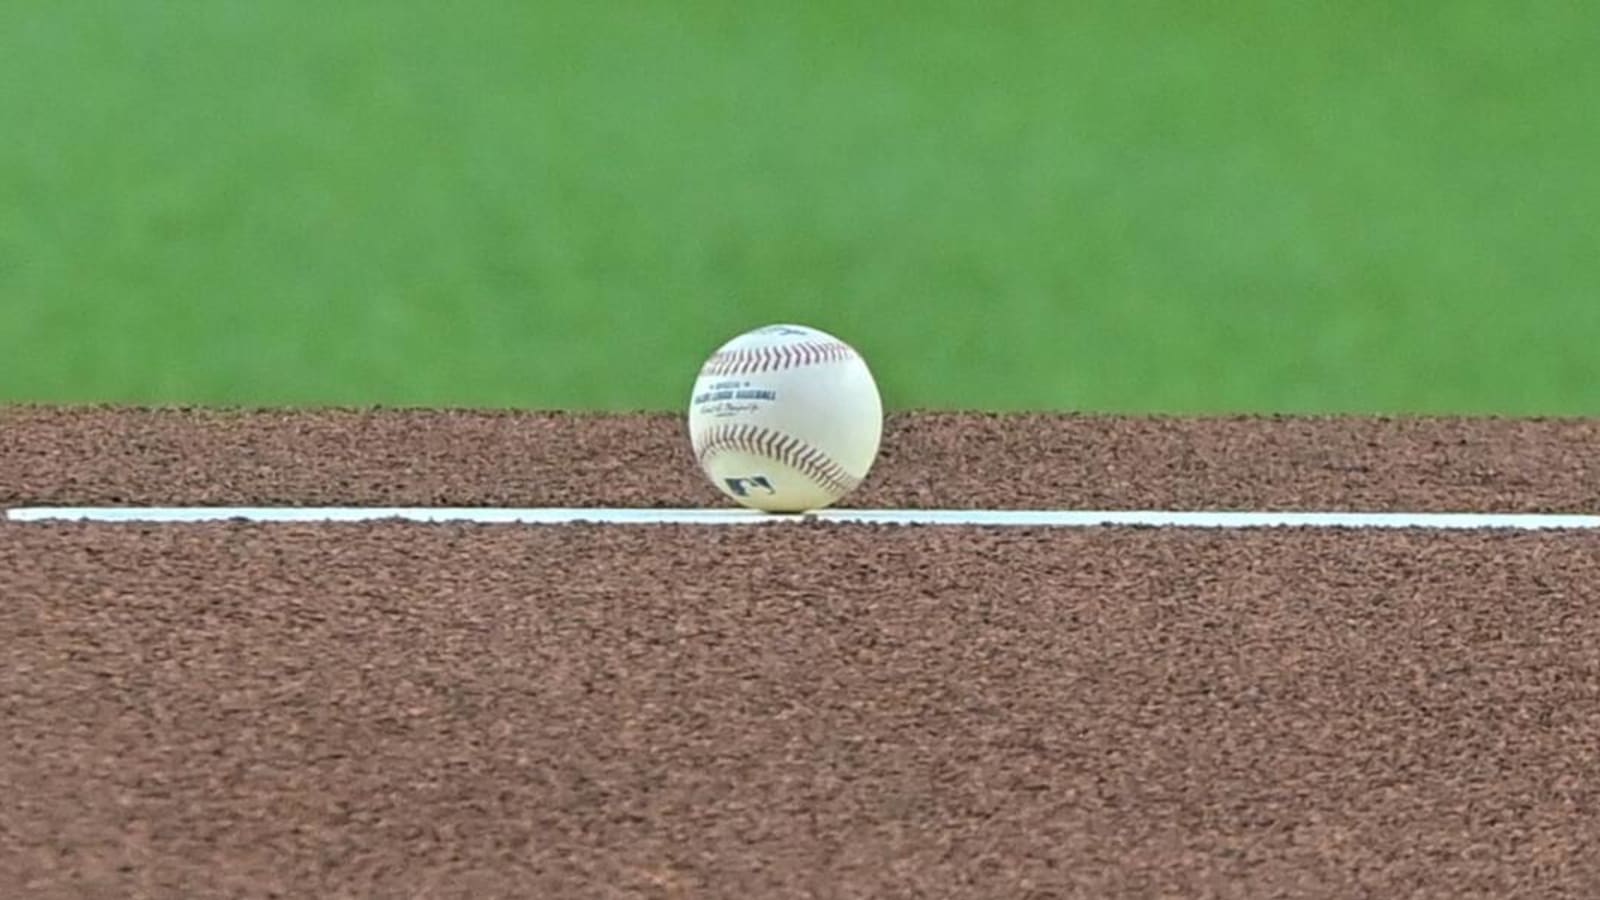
[
  {"x": 769, "y": 359},
  {"x": 790, "y": 451}
]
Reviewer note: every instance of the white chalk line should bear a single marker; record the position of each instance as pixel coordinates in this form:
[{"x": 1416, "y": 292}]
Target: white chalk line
[{"x": 1032, "y": 518}]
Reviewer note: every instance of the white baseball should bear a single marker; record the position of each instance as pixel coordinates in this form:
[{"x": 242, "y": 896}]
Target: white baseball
[{"x": 785, "y": 418}]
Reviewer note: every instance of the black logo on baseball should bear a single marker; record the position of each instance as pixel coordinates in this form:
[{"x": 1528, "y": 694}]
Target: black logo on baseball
[{"x": 741, "y": 487}]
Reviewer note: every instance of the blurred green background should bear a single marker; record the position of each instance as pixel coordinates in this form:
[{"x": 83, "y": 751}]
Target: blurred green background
[{"x": 1110, "y": 205}]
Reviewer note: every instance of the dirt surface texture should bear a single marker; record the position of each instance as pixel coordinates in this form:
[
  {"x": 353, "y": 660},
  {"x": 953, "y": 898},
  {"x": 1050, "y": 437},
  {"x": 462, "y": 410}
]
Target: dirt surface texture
[{"x": 799, "y": 710}]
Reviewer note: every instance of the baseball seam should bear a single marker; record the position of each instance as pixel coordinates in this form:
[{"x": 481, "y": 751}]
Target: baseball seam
[
  {"x": 786, "y": 449},
  {"x": 769, "y": 359}
]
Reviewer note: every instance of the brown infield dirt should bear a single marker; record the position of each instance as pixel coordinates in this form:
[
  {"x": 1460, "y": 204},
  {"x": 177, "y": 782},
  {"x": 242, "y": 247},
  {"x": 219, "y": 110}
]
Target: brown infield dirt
[{"x": 800, "y": 710}]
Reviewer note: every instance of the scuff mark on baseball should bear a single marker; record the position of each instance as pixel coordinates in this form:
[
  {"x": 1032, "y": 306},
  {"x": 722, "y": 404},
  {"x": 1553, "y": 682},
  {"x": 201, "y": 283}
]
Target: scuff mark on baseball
[{"x": 786, "y": 419}]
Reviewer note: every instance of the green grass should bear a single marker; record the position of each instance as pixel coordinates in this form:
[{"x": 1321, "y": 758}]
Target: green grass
[{"x": 1110, "y": 205}]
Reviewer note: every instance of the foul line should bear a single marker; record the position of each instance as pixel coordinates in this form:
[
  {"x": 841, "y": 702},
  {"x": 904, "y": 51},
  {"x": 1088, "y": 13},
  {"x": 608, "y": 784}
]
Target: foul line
[{"x": 1033, "y": 518}]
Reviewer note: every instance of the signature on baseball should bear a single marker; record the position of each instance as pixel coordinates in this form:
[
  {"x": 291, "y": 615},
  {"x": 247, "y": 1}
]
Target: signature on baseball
[{"x": 728, "y": 408}]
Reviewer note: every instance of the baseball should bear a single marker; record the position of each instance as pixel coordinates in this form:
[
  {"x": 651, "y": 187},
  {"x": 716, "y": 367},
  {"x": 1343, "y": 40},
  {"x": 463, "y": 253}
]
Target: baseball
[{"x": 785, "y": 419}]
